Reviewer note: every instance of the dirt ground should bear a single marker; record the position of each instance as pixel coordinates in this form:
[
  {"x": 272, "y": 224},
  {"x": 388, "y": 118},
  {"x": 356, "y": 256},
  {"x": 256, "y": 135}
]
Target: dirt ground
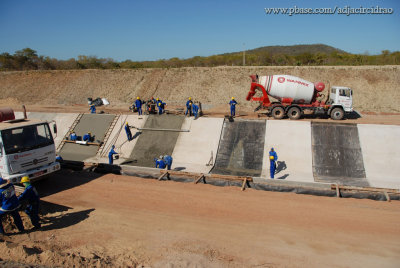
[{"x": 117, "y": 221}]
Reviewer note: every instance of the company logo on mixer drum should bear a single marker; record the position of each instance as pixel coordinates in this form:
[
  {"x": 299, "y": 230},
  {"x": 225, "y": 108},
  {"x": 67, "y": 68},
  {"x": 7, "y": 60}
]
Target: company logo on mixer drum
[{"x": 281, "y": 79}]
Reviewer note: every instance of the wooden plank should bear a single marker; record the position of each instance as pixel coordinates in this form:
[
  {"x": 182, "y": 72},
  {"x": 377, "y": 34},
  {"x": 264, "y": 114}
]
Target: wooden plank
[
  {"x": 368, "y": 189},
  {"x": 387, "y": 196},
  {"x": 84, "y": 143},
  {"x": 337, "y": 190},
  {"x": 163, "y": 175},
  {"x": 199, "y": 178},
  {"x": 211, "y": 176},
  {"x": 244, "y": 184}
]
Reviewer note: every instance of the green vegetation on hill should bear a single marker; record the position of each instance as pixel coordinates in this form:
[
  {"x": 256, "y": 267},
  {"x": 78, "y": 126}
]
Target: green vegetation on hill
[{"x": 298, "y": 55}]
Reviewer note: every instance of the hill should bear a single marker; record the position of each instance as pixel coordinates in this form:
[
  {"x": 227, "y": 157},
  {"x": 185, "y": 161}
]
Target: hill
[{"x": 294, "y": 50}]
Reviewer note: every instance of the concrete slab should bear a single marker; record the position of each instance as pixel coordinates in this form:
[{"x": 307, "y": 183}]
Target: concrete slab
[
  {"x": 240, "y": 151},
  {"x": 97, "y": 124},
  {"x": 152, "y": 144},
  {"x": 118, "y": 138},
  {"x": 381, "y": 154},
  {"x": 337, "y": 156},
  {"x": 63, "y": 121},
  {"x": 292, "y": 142},
  {"x": 193, "y": 149}
]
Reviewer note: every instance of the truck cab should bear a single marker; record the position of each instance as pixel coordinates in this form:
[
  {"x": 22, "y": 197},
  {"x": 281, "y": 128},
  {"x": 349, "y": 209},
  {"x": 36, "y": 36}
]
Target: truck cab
[
  {"x": 26, "y": 149},
  {"x": 341, "y": 96}
]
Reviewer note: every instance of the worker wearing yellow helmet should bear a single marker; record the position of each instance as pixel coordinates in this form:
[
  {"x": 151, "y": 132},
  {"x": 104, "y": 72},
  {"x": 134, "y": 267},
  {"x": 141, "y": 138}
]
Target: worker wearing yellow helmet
[
  {"x": 233, "y": 104},
  {"x": 32, "y": 197},
  {"x": 138, "y": 104},
  {"x": 273, "y": 157},
  {"x": 189, "y": 107},
  {"x": 128, "y": 131}
]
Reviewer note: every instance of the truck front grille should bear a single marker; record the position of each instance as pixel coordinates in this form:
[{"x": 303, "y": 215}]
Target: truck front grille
[{"x": 34, "y": 162}]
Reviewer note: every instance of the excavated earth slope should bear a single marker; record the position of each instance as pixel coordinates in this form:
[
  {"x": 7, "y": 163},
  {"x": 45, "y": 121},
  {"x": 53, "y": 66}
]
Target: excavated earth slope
[{"x": 376, "y": 88}]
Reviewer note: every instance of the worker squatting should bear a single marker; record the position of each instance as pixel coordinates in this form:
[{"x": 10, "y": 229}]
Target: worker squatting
[{"x": 10, "y": 203}]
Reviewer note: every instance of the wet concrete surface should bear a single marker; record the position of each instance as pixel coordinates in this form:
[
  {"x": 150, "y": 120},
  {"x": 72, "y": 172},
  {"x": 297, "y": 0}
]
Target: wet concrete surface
[
  {"x": 152, "y": 144},
  {"x": 241, "y": 148},
  {"x": 337, "y": 156},
  {"x": 98, "y": 125}
]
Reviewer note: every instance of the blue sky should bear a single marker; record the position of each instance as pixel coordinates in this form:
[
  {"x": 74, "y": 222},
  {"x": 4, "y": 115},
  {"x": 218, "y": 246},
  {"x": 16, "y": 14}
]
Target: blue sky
[{"x": 155, "y": 29}]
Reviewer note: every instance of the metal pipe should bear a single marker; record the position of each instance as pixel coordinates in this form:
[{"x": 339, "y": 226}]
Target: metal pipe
[{"x": 165, "y": 129}]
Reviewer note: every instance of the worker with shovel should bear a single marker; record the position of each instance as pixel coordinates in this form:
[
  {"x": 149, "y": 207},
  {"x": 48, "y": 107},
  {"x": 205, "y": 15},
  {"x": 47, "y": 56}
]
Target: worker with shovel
[
  {"x": 128, "y": 131},
  {"x": 31, "y": 195}
]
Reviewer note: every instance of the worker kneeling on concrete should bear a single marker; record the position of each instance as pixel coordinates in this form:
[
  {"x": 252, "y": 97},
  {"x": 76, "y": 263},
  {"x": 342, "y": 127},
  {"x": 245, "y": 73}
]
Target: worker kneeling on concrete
[
  {"x": 9, "y": 204},
  {"x": 168, "y": 161},
  {"x": 31, "y": 195},
  {"x": 73, "y": 136},
  {"x": 110, "y": 155},
  {"x": 87, "y": 137},
  {"x": 160, "y": 163}
]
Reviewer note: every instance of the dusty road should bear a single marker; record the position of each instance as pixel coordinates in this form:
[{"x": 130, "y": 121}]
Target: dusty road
[{"x": 119, "y": 221}]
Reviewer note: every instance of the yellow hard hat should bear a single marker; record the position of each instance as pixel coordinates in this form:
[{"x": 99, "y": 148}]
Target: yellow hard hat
[
  {"x": 190, "y": 98},
  {"x": 157, "y": 99},
  {"x": 25, "y": 179},
  {"x": 126, "y": 122},
  {"x": 271, "y": 157},
  {"x": 138, "y": 98},
  {"x": 233, "y": 98}
]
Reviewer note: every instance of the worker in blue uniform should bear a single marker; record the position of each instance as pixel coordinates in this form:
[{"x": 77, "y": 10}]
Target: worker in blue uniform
[
  {"x": 9, "y": 204},
  {"x": 92, "y": 109},
  {"x": 273, "y": 157},
  {"x": 73, "y": 136},
  {"x": 168, "y": 161},
  {"x": 138, "y": 104},
  {"x": 87, "y": 137},
  {"x": 189, "y": 107},
  {"x": 195, "y": 109},
  {"x": 128, "y": 131},
  {"x": 110, "y": 155},
  {"x": 233, "y": 104},
  {"x": 31, "y": 195},
  {"x": 160, "y": 163},
  {"x": 161, "y": 106},
  {"x": 59, "y": 158}
]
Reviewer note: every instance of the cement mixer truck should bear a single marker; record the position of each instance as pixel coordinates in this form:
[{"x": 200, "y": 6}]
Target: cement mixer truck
[
  {"x": 295, "y": 96},
  {"x": 26, "y": 147}
]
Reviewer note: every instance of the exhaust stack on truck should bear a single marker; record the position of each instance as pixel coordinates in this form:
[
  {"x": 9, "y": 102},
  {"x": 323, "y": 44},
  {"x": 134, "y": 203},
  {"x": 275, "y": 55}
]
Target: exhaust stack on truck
[{"x": 296, "y": 95}]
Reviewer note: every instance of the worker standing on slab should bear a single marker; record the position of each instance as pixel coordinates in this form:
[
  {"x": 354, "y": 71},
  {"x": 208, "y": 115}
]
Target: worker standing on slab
[
  {"x": 233, "y": 104},
  {"x": 168, "y": 161},
  {"x": 110, "y": 155},
  {"x": 92, "y": 109},
  {"x": 160, "y": 163},
  {"x": 189, "y": 107},
  {"x": 9, "y": 204},
  {"x": 87, "y": 137},
  {"x": 161, "y": 106},
  {"x": 128, "y": 131},
  {"x": 73, "y": 136},
  {"x": 273, "y": 157},
  {"x": 31, "y": 195},
  {"x": 138, "y": 104}
]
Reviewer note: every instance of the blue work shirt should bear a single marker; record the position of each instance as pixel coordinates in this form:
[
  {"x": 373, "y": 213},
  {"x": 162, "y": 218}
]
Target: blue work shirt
[
  {"x": 73, "y": 137},
  {"x": 232, "y": 103},
  {"x": 273, "y": 153},
  {"x": 30, "y": 194},
  {"x": 110, "y": 154},
  {"x": 127, "y": 129},
  {"x": 86, "y": 137},
  {"x": 92, "y": 109},
  {"x": 8, "y": 199},
  {"x": 188, "y": 104},
  {"x": 160, "y": 164},
  {"x": 138, "y": 103},
  {"x": 168, "y": 159},
  {"x": 195, "y": 108}
]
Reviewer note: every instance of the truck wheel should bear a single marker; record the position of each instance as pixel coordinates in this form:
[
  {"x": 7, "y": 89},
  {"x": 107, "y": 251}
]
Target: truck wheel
[
  {"x": 337, "y": 113},
  {"x": 294, "y": 113},
  {"x": 278, "y": 112}
]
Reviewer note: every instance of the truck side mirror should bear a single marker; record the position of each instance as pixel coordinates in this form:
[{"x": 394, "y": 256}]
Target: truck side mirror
[{"x": 55, "y": 128}]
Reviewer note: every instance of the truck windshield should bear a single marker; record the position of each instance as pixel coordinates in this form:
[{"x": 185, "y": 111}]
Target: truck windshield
[{"x": 26, "y": 138}]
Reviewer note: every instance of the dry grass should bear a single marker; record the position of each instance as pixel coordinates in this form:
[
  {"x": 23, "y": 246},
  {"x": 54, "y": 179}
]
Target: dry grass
[{"x": 376, "y": 88}]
